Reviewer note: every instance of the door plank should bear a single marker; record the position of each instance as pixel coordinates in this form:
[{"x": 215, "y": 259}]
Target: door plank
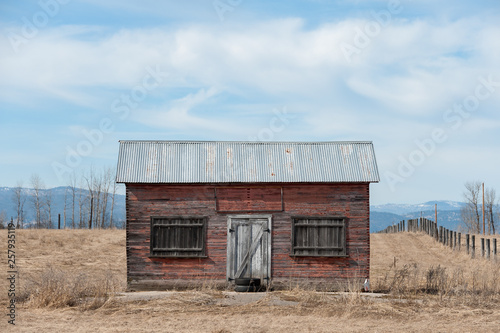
[{"x": 244, "y": 262}]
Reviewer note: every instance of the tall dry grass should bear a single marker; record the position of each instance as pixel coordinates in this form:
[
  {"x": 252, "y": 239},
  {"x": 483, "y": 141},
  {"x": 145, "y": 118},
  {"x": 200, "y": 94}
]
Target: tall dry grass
[
  {"x": 450, "y": 275},
  {"x": 55, "y": 288},
  {"x": 82, "y": 269},
  {"x": 67, "y": 268}
]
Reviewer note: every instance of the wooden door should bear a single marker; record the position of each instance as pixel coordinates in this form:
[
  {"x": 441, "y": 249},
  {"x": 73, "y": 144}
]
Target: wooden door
[{"x": 249, "y": 247}]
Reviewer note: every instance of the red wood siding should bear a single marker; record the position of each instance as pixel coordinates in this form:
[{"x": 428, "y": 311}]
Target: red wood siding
[
  {"x": 248, "y": 199},
  {"x": 344, "y": 200}
]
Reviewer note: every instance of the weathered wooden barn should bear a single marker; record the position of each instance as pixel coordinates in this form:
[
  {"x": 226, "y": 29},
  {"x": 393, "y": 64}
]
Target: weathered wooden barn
[{"x": 287, "y": 213}]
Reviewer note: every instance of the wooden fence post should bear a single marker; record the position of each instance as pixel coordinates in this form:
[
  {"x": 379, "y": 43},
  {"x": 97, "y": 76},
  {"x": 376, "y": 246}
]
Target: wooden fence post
[
  {"x": 467, "y": 243},
  {"x": 454, "y": 240},
  {"x": 459, "y": 241},
  {"x": 495, "y": 248},
  {"x": 488, "y": 248},
  {"x": 440, "y": 234},
  {"x": 482, "y": 247},
  {"x": 473, "y": 247}
]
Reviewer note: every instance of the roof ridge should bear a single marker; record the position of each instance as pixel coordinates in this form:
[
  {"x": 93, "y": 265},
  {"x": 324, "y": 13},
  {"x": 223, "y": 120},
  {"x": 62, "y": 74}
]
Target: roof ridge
[{"x": 246, "y": 142}]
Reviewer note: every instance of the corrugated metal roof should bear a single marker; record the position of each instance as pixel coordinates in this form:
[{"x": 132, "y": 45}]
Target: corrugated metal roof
[{"x": 245, "y": 162}]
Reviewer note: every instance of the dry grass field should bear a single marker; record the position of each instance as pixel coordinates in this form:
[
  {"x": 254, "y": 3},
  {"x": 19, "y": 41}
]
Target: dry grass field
[{"x": 68, "y": 279}]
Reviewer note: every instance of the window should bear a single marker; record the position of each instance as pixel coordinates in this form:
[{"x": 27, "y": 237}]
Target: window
[
  {"x": 318, "y": 237},
  {"x": 178, "y": 237}
]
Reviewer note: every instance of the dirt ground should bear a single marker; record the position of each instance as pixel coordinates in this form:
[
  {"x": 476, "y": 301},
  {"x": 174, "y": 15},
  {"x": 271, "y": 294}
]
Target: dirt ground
[{"x": 208, "y": 310}]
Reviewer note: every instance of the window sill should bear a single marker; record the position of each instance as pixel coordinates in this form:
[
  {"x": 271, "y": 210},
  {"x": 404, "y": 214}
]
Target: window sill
[
  {"x": 176, "y": 257},
  {"x": 319, "y": 256}
]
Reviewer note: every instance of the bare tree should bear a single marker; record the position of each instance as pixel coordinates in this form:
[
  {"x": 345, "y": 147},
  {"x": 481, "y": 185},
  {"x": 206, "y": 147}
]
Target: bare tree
[
  {"x": 90, "y": 186},
  {"x": 97, "y": 194},
  {"x": 37, "y": 198},
  {"x": 98, "y": 186},
  {"x": 81, "y": 205},
  {"x": 112, "y": 202},
  {"x": 3, "y": 219},
  {"x": 107, "y": 179},
  {"x": 19, "y": 198},
  {"x": 470, "y": 212},
  {"x": 65, "y": 205},
  {"x": 489, "y": 207},
  {"x": 47, "y": 204},
  {"x": 72, "y": 189}
]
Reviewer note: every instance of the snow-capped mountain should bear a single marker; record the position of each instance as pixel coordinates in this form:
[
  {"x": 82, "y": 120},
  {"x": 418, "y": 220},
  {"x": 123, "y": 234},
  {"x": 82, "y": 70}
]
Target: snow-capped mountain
[{"x": 402, "y": 209}]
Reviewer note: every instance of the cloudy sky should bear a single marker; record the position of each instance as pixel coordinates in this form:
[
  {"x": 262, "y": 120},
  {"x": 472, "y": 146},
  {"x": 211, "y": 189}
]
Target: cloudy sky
[{"x": 421, "y": 79}]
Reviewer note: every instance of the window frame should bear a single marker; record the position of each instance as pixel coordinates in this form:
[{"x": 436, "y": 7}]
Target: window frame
[
  {"x": 343, "y": 252},
  {"x": 178, "y": 252}
]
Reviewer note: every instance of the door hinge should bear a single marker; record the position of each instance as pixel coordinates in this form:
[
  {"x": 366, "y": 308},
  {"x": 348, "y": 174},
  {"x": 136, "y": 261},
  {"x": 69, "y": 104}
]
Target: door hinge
[{"x": 231, "y": 230}]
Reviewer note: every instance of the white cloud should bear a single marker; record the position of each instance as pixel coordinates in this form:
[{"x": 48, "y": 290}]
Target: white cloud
[
  {"x": 395, "y": 91},
  {"x": 178, "y": 114},
  {"x": 277, "y": 57}
]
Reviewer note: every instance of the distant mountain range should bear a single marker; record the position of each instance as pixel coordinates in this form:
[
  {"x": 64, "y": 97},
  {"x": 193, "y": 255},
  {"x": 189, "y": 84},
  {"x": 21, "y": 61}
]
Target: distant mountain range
[
  {"x": 7, "y": 204},
  {"x": 381, "y": 216},
  {"x": 402, "y": 209},
  {"x": 384, "y": 215}
]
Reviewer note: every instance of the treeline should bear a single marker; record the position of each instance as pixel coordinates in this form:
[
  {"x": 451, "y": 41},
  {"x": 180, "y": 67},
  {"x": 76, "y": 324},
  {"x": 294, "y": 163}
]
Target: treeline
[
  {"x": 89, "y": 202},
  {"x": 472, "y": 212}
]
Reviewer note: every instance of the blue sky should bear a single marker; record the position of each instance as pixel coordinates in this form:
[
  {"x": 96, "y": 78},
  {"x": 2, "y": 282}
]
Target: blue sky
[{"x": 421, "y": 79}]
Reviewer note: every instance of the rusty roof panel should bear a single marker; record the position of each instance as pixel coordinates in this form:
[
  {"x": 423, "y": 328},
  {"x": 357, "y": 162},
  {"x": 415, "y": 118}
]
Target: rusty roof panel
[{"x": 245, "y": 162}]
